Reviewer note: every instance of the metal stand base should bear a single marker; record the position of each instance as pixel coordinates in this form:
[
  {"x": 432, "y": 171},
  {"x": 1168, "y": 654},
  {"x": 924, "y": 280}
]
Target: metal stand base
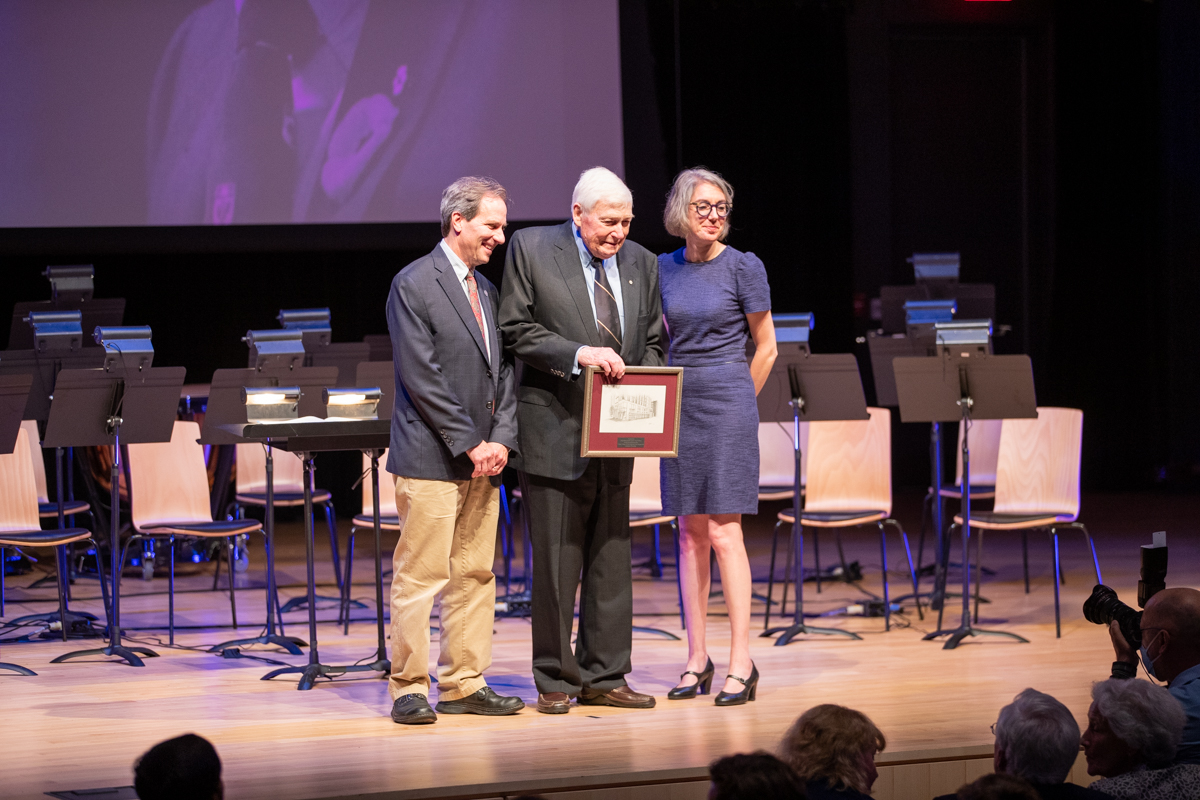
[
  {"x": 301, "y": 603},
  {"x": 291, "y": 644},
  {"x": 310, "y": 672},
  {"x": 17, "y": 669},
  {"x": 789, "y": 632},
  {"x": 129, "y": 654},
  {"x": 655, "y": 631},
  {"x": 963, "y": 631}
]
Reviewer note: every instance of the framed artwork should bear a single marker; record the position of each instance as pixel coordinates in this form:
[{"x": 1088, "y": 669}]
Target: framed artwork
[{"x": 637, "y": 415}]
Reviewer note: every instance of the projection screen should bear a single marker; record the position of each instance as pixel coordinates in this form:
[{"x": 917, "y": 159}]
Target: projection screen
[{"x": 168, "y": 112}]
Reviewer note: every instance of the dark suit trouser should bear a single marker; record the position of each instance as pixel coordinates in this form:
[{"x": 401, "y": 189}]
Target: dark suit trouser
[{"x": 580, "y": 529}]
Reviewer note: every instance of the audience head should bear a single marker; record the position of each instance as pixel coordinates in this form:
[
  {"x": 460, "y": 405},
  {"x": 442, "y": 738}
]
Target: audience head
[
  {"x": 998, "y": 786},
  {"x": 681, "y": 217},
  {"x": 1131, "y": 724},
  {"x": 1171, "y": 632},
  {"x": 753, "y": 776},
  {"x": 1037, "y": 739},
  {"x": 602, "y": 209},
  {"x": 834, "y": 744},
  {"x": 184, "y": 768}
]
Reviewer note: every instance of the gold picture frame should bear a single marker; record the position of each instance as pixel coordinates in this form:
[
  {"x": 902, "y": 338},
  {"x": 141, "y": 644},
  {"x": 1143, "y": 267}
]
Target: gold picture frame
[{"x": 632, "y": 422}]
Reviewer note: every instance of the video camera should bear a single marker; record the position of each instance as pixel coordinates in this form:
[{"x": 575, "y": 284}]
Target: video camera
[{"x": 1103, "y": 606}]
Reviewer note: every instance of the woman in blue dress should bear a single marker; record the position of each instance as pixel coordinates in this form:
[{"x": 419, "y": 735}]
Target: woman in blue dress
[{"x": 715, "y": 299}]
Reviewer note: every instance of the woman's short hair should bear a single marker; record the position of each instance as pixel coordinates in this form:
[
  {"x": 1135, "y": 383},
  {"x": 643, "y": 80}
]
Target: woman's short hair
[
  {"x": 184, "y": 768},
  {"x": 998, "y": 786},
  {"x": 465, "y": 195},
  {"x": 675, "y": 215},
  {"x": 827, "y": 743},
  {"x": 754, "y": 776},
  {"x": 1039, "y": 738},
  {"x": 1143, "y": 716},
  {"x": 598, "y": 185}
]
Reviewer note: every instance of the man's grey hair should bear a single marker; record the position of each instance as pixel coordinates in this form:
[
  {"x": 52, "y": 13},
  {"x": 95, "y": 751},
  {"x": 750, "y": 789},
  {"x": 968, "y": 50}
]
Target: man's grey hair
[
  {"x": 1143, "y": 716},
  {"x": 600, "y": 185},
  {"x": 675, "y": 215},
  {"x": 1039, "y": 738},
  {"x": 465, "y": 195}
]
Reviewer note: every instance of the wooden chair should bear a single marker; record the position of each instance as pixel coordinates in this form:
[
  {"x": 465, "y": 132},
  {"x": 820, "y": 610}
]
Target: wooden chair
[
  {"x": 20, "y": 522},
  {"x": 389, "y": 520},
  {"x": 645, "y": 509},
  {"x": 849, "y": 484},
  {"x": 250, "y": 489},
  {"x": 169, "y": 499},
  {"x": 985, "y": 450},
  {"x": 777, "y": 460},
  {"x": 46, "y": 509},
  {"x": 1037, "y": 486}
]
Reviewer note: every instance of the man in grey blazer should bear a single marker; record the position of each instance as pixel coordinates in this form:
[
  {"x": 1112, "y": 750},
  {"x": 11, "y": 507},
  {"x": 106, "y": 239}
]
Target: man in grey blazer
[
  {"x": 453, "y": 425},
  {"x": 576, "y": 295}
]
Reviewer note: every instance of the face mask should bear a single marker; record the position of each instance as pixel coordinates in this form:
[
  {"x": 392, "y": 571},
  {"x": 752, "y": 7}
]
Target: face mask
[{"x": 1147, "y": 662}]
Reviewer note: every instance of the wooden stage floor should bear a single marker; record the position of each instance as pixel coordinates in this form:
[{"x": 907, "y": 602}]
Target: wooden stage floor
[{"x": 81, "y": 724}]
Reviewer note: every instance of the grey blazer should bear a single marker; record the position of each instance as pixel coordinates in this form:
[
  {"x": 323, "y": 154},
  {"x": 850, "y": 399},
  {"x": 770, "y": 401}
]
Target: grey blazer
[
  {"x": 446, "y": 389},
  {"x": 545, "y": 317}
]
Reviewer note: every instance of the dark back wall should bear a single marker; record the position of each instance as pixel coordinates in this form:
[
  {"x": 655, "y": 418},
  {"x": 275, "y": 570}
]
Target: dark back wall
[{"x": 778, "y": 96}]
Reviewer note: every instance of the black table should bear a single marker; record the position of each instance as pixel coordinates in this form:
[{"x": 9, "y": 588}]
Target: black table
[{"x": 305, "y": 438}]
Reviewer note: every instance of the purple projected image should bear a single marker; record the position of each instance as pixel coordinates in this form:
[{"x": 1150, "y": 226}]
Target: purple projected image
[{"x": 135, "y": 112}]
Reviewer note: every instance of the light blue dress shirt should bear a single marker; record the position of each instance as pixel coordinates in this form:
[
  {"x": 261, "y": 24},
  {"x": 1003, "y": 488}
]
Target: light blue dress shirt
[
  {"x": 589, "y": 277},
  {"x": 1186, "y": 689}
]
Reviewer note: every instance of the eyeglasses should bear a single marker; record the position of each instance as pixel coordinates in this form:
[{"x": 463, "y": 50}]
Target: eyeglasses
[{"x": 705, "y": 208}]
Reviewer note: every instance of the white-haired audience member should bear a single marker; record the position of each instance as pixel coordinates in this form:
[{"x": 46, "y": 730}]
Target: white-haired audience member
[
  {"x": 1134, "y": 729},
  {"x": 1037, "y": 738}
]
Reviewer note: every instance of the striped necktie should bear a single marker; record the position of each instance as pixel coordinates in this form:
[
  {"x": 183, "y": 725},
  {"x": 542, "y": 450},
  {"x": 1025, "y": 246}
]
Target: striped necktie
[{"x": 608, "y": 318}]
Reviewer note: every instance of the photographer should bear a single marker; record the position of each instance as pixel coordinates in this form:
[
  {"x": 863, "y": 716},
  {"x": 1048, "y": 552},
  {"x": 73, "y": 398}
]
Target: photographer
[{"x": 1170, "y": 651}]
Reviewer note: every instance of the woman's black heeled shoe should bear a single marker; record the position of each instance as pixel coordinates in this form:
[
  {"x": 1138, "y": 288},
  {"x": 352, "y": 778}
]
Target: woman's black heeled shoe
[
  {"x": 702, "y": 685},
  {"x": 739, "y": 698}
]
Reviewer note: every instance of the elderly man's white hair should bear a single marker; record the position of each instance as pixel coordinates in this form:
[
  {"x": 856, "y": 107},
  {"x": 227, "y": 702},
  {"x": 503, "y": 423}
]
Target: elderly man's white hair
[
  {"x": 1142, "y": 715},
  {"x": 1039, "y": 738},
  {"x": 600, "y": 185}
]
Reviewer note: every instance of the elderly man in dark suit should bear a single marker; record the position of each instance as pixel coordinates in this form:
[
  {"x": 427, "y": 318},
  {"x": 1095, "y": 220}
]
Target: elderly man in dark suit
[
  {"x": 577, "y": 295},
  {"x": 453, "y": 426}
]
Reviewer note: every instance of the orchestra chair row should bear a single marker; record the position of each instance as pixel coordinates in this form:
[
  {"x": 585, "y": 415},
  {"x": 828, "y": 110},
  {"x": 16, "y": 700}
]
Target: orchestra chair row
[
  {"x": 849, "y": 484},
  {"x": 169, "y": 499},
  {"x": 389, "y": 520},
  {"x": 20, "y": 517},
  {"x": 645, "y": 511},
  {"x": 1037, "y": 488},
  {"x": 46, "y": 509},
  {"x": 250, "y": 490}
]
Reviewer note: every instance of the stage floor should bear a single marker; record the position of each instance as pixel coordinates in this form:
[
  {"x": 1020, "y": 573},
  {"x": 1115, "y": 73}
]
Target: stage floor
[{"x": 81, "y": 724}]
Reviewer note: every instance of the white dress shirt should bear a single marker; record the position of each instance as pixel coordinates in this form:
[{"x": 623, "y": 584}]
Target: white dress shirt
[{"x": 460, "y": 269}]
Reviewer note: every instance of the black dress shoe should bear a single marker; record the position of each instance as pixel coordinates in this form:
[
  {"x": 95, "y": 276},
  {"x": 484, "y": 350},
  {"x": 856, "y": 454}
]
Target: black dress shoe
[
  {"x": 413, "y": 709},
  {"x": 485, "y": 702},
  {"x": 702, "y": 685},
  {"x": 739, "y": 698}
]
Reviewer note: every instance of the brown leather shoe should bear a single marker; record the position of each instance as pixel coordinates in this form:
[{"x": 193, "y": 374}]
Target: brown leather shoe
[
  {"x": 621, "y": 697},
  {"x": 554, "y": 702}
]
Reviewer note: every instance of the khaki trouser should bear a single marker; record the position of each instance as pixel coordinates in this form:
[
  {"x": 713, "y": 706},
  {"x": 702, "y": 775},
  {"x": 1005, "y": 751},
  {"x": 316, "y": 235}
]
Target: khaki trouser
[{"x": 447, "y": 544}]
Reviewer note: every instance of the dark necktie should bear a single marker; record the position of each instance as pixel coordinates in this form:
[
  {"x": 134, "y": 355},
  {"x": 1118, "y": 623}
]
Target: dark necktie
[{"x": 608, "y": 318}]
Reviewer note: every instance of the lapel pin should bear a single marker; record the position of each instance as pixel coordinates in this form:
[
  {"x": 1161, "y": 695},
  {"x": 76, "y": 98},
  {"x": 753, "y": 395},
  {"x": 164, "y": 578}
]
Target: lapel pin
[{"x": 631, "y": 281}]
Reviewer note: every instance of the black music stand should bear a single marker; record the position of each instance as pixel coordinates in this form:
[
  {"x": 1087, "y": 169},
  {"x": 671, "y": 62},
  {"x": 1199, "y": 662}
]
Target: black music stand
[
  {"x": 947, "y": 388},
  {"x": 226, "y": 408},
  {"x": 306, "y": 438},
  {"x": 14, "y": 390},
  {"x": 818, "y": 388},
  {"x": 93, "y": 408}
]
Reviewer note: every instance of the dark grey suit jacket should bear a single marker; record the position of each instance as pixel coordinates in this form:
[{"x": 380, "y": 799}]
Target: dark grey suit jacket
[
  {"x": 545, "y": 317},
  {"x": 446, "y": 388}
]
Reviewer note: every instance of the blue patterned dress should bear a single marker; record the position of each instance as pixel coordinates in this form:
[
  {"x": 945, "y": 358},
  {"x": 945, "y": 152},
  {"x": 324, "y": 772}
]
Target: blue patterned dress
[{"x": 706, "y": 306}]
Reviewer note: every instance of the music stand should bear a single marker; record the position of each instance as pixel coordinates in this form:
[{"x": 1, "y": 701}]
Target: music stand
[
  {"x": 948, "y": 388},
  {"x": 819, "y": 388},
  {"x": 116, "y": 407},
  {"x": 306, "y": 438},
  {"x": 226, "y": 408}
]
